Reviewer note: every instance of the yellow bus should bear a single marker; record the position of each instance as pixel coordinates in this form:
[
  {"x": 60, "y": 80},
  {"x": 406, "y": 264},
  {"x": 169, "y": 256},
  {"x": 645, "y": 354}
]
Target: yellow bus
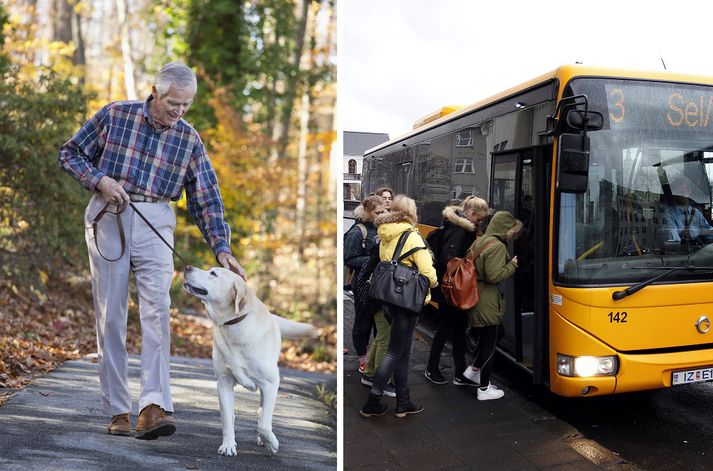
[{"x": 611, "y": 173}]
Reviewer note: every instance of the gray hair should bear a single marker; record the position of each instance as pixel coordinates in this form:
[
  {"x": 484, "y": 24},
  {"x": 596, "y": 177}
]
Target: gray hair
[{"x": 175, "y": 73}]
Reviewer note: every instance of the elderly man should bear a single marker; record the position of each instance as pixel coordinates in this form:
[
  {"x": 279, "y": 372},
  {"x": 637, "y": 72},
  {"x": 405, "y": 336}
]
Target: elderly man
[{"x": 143, "y": 152}]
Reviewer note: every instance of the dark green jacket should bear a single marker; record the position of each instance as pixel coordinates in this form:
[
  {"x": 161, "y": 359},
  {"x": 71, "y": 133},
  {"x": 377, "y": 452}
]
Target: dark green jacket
[{"x": 492, "y": 266}]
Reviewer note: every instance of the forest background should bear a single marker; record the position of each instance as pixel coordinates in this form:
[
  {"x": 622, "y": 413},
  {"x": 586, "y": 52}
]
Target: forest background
[{"x": 264, "y": 109}]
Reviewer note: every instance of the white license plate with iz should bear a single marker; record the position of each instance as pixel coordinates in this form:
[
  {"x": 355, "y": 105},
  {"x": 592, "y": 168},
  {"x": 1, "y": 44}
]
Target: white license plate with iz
[{"x": 692, "y": 376}]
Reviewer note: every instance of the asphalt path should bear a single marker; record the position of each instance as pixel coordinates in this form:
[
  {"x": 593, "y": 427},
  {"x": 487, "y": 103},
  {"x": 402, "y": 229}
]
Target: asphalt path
[
  {"x": 665, "y": 429},
  {"x": 56, "y": 423},
  {"x": 456, "y": 431}
]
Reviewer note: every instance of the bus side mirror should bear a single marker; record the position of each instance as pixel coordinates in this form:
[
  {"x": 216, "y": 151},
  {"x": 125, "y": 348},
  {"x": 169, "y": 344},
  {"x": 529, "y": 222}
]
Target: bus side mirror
[
  {"x": 572, "y": 163},
  {"x": 585, "y": 120}
]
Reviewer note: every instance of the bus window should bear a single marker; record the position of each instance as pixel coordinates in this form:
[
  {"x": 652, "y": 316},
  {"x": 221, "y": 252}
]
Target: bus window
[
  {"x": 503, "y": 191},
  {"x": 461, "y": 192},
  {"x": 432, "y": 178},
  {"x": 469, "y": 174},
  {"x": 621, "y": 229},
  {"x": 522, "y": 128},
  {"x": 402, "y": 183},
  {"x": 381, "y": 172},
  {"x": 524, "y": 248},
  {"x": 708, "y": 160},
  {"x": 463, "y": 165}
]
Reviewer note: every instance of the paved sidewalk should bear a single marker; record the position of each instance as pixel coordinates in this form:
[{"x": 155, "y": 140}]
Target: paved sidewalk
[
  {"x": 456, "y": 431},
  {"x": 56, "y": 423}
]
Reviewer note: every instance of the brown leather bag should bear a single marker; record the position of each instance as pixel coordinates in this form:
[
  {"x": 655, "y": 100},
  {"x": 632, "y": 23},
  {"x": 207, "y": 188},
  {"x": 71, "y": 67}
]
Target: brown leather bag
[{"x": 460, "y": 281}]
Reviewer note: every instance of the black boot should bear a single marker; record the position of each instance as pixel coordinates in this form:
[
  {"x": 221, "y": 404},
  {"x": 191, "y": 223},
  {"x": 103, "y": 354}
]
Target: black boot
[
  {"x": 373, "y": 406},
  {"x": 404, "y": 406}
]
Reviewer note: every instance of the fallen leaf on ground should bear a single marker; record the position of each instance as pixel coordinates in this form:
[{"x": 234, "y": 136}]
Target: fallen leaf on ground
[{"x": 36, "y": 338}]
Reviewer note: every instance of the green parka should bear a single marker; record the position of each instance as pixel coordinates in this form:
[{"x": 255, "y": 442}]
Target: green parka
[{"x": 492, "y": 266}]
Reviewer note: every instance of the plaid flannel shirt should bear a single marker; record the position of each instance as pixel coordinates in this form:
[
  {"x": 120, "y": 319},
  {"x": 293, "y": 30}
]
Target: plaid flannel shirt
[{"x": 120, "y": 143}]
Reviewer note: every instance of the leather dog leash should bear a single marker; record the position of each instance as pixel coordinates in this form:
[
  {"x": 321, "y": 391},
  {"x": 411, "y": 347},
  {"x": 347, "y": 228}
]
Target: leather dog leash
[
  {"x": 120, "y": 209},
  {"x": 100, "y": 215}
]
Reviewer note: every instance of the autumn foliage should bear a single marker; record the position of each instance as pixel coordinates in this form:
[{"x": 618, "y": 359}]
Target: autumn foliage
[
  {"x": 265, "y": 112},
  {"x": 38, "y": 331}
]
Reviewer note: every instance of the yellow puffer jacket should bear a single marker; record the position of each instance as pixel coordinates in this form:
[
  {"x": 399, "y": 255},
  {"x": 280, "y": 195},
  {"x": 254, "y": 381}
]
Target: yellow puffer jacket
[{"x": 390, "y": 226}]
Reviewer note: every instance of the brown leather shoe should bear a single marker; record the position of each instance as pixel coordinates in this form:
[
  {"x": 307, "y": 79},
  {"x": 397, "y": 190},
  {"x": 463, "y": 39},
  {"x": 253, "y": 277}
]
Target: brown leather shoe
[
  {"x": 120, "y": 425},
  {"x": 154, "y": 422}
]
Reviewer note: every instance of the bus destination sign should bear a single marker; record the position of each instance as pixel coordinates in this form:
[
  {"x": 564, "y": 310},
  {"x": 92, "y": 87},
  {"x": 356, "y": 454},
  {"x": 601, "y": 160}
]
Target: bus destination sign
[{"x": 669, "y": 106}]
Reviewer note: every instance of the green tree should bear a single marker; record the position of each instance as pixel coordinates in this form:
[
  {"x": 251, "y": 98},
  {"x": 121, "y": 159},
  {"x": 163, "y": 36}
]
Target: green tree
[{"x": 38, "y": 204}]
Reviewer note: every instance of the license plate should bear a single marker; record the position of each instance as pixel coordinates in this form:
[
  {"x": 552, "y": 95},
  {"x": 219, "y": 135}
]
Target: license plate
[{"x": 692, "y": 376}]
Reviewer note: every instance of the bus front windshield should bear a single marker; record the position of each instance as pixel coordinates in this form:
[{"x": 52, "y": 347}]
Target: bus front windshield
[{"x": 648, "y": 202}]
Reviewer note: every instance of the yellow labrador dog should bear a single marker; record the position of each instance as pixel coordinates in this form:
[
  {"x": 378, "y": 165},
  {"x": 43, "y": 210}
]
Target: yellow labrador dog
[{"x": 246, "y": 347}]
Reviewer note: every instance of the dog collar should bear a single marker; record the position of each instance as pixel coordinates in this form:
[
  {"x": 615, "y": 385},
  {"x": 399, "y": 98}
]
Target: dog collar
[{"x": 236, "y": 320}]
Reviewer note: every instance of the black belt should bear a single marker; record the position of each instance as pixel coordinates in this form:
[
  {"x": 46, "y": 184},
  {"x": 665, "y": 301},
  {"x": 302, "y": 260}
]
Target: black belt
[{"x": 136, "y": 198}]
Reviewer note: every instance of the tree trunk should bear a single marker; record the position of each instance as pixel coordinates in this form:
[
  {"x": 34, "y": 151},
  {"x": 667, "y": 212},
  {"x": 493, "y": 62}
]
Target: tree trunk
[
  {"x": 78, "y": 58},
  {"x": 293, "y": 81},
  {"x": 62, "y": 21},
  {"x": 121, "y": 9},
  {"x": 326, "y": 186},
  {"x": 270, "y": 105},
  {"x": 66, "y": 27},
  {"x": 302, "y": 176}
]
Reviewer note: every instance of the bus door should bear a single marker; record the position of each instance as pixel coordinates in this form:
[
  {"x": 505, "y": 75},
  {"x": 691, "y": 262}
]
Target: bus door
[{"x": 519, "y": 185}]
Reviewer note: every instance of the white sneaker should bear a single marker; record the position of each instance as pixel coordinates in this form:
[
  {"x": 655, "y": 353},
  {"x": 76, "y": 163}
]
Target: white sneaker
[
  {"x": 490, "y": 393},
  {"x": 472, "y": 374}
]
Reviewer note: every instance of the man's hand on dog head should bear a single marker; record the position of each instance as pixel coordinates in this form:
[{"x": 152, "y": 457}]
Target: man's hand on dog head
[{"x": 228, "y": 261}]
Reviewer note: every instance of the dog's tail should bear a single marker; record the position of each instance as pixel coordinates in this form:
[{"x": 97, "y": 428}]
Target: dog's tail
[{"x": 293, "y": 330}]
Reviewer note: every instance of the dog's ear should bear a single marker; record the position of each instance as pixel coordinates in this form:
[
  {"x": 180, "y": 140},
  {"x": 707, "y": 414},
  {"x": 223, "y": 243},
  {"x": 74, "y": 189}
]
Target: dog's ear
[{"x": 241, "y": 300}]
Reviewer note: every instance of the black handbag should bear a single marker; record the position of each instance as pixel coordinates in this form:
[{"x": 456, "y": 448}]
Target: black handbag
[{"x": 398, "y": 284}]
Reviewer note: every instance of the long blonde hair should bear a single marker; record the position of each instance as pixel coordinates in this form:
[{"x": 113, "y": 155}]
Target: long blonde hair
[
  {"x": 477, "y": 205},
  {"x": 405, "y": 205}
]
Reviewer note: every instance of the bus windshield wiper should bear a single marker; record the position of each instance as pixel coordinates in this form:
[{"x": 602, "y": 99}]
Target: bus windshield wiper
[{"x": 617, "y": 295}]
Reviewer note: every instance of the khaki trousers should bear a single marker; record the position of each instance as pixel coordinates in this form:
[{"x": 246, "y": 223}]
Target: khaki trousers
[
  {"x": 380, "y": 345},
  {"x": 151, "y": 262}
]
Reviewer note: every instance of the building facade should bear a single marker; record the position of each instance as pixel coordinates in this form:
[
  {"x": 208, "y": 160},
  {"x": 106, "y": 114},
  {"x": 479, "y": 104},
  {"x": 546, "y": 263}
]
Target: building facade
[{"x": 355, "y": 143}]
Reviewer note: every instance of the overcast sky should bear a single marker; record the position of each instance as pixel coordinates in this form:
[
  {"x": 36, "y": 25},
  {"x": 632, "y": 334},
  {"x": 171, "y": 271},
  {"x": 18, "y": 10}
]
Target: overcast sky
[{"x": 402, "y": 59}]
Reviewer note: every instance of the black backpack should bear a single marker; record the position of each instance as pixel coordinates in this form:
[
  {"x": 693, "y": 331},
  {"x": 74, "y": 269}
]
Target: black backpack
[
  {"x": 434, "y": 242},
  {"x": 348, "y": 272}
]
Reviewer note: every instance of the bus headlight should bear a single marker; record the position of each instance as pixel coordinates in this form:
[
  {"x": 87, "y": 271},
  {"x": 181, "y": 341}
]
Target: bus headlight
[{"x": 587, "y": 366}]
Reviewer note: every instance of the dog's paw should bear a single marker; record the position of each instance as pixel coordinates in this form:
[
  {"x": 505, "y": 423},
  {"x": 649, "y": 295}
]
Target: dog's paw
[
  {"x": 269, "y": 440},
  {"x": 227, "y": 449}
]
